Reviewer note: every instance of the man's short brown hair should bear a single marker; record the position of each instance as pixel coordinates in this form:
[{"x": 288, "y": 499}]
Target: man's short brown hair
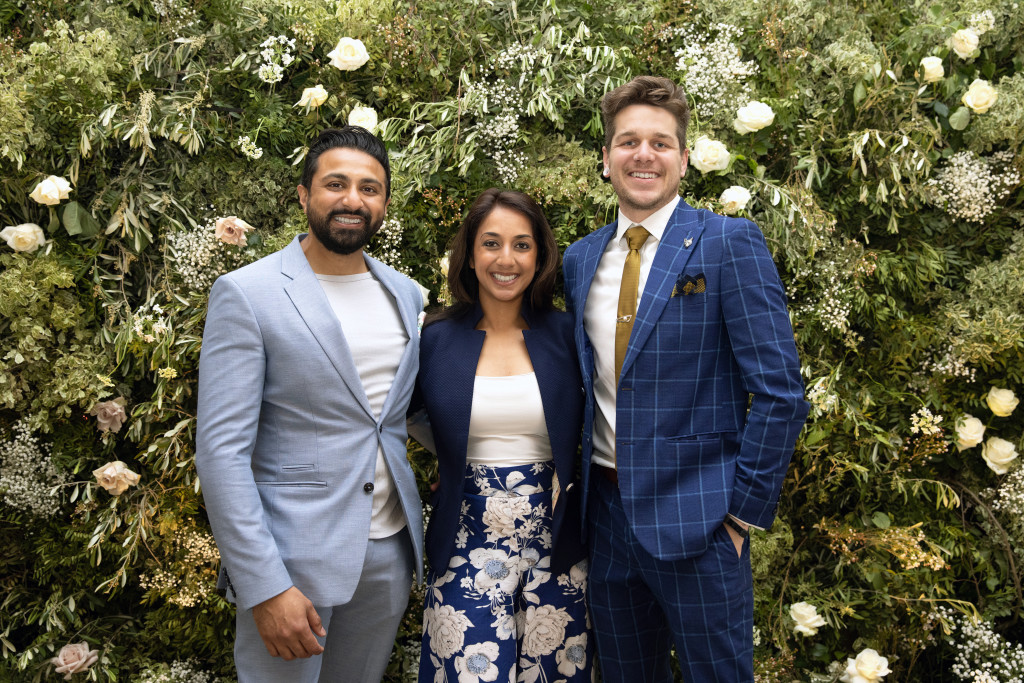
[{"x": 653, "y": 91}]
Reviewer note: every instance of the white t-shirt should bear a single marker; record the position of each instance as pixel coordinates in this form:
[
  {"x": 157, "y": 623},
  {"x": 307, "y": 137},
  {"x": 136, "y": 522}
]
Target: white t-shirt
[{"x": 373, "y": 328}]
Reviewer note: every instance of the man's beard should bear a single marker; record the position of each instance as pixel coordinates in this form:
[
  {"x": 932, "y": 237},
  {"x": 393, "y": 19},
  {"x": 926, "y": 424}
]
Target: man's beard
[{"x": 342, "y": 240}]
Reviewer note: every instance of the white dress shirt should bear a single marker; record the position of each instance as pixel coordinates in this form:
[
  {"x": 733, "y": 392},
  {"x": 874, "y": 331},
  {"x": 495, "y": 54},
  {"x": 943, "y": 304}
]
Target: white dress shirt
[{"x": 599, "y": 320}]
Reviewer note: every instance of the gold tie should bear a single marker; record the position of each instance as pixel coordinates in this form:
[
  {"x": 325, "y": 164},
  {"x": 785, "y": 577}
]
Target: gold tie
[{"x": 635, "y": 238}]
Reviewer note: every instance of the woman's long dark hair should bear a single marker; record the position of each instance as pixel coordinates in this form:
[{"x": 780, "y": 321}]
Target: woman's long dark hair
[{"x": 462, "y": 280}]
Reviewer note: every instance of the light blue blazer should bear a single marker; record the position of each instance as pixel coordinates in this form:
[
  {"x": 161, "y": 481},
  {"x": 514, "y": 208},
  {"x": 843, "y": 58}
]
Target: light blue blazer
[
  {"x": 710, "y": 400},
  {"x": 287, "y": 443}
]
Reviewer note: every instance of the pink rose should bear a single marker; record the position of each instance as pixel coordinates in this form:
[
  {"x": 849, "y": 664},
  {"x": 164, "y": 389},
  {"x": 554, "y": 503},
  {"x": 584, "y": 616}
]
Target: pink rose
[
  {"x": 74, "y": 658},
  {"x": 231, "y": 230},
  {"x": 110, "y": 415},
  {"x": 115, "y": 477}
]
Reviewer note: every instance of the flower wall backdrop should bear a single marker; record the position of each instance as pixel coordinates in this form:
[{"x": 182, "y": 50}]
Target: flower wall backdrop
[{"x": 148, "y": 146}]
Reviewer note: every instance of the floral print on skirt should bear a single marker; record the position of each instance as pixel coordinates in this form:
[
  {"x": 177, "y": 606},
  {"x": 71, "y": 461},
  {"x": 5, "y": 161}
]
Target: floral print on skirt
[{"x": 497, "y": 613}]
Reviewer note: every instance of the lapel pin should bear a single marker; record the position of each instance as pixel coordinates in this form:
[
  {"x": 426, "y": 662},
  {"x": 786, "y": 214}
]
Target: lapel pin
[{"x": 687, "y": 242}]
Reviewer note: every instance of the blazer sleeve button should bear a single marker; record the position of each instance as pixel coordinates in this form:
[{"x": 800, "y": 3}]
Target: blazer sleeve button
[{"x": 368, "y": 487}]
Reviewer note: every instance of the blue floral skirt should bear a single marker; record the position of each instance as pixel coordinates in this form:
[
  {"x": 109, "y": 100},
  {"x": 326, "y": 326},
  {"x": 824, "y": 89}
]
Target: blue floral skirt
[{"x": 497, "y": 613}]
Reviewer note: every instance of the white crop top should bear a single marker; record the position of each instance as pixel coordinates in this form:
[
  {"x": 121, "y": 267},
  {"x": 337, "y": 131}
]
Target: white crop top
[{"x": 506, "y": 424}]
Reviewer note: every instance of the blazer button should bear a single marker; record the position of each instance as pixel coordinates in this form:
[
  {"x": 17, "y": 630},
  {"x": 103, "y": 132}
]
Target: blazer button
[{"x": 368, "y": 487}]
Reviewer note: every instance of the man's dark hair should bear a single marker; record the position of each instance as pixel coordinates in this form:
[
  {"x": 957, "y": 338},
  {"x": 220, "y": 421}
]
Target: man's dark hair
[
  {"x": 352, "y": 137},
  {"x": 653, "y": 91}
]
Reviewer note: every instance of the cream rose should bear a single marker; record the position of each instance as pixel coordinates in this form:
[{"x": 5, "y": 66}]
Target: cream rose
[
  {"x": 969, "y": 432},
  {"x": 312, "y": 97},
  {"x": 349, "y": 54},
  {"x": 543, "y": 629},
  {"x": 998, "y": 454},
  {"x": 363, "y": 116},
  {"x": 51, "y": 190},
  {"x": 932, "y": 69},
  {"x": 231, "y": 230},
  {"x": 115, "y": 477},
  {"x": 980, "y": 96},
  {"x": 753, "y": 116},
  {"x": 74, "y": 658},
  {"x": 807, "y": 619},
  {"x": 964, "y": 43},
  {"x": 447, "y": 629},
  {"x": 734, "y": 199},
  {"x": 869, "y": 667},
  {"x": 500, "y": 515},
  {"x": 24, "y": 237},
  {"x": 709, "y": 155},
  {"x": 109, "y": 415},
  {"x": 1001, "y": 401}
]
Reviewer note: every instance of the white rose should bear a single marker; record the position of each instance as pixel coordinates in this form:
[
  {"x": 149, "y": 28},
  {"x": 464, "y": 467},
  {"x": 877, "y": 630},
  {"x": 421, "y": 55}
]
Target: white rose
[
  {"x": 869, "y": 667},
  {"x": 24, "y": 237},
  {"x": 312, "y": 97},
  {"x": 231, "y": 230},
  {"x": 807, "y": 619},
  {"x": 980, "y": 96},
  {"x": 964, "y": 43},
  {"x": 363, "y": 116},
  {"x": 969, "y": 432},
  {"x": 753, "y": 116},
  {"x": 349, "y": 54},
  {"x": 932, "y": 69},
  {"x": 543, "y": 629},
  {"x": 74, "y": 658},
  {"x": 1001, "y": 401},
  {"x": 501, "y": 514},
  {"x": 734, "y": 199},
  {"x": 998, "y": 454},
  {"x": 709, "y": 155},
  {"x": 447, "y": 629},
  {"x": 51, "y": 190},
  {"x": 115, "y": 477}
]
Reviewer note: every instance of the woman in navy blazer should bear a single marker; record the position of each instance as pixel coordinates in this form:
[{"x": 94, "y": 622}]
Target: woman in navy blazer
[{"x": 500, "y": 383}]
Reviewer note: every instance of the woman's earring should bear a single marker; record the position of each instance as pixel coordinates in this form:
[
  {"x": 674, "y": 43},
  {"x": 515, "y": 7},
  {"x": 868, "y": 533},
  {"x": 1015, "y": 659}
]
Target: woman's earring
[{"x": 605, "y": 171}]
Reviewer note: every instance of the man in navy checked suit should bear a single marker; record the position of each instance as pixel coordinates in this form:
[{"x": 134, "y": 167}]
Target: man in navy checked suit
[{"x": 688, "y": 446}]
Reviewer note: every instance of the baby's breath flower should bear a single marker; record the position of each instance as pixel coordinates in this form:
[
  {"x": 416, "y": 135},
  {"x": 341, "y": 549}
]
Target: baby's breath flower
[
  {"x": 248, "y": 148},
  {"x": 28, "y": 475}
]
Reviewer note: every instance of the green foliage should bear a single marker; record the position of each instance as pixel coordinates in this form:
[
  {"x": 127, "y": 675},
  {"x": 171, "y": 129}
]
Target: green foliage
[{"x": 905, "y": 311}]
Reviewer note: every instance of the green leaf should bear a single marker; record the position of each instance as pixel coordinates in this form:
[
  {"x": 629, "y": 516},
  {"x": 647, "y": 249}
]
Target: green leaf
[
  {"x": 78, "y": 221},
  {"x": 960, "y": 118},
  {"x": 881, "y": 520},
  {"x": 941, "y": 109},
  {"x": 859, "y": 93}
]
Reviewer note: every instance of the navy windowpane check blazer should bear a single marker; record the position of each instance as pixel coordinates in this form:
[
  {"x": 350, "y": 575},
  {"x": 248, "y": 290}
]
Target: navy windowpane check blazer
[{"x": 712, "y": 336}]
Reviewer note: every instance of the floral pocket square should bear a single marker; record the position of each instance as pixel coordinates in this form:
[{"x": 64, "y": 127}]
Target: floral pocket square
[{"x": 689, "y": 284}]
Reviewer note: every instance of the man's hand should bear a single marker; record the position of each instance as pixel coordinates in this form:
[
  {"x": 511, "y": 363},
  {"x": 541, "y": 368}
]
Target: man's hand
[
  {"x": 736, "y": 536},
  {"x": 286, "y": 623}
]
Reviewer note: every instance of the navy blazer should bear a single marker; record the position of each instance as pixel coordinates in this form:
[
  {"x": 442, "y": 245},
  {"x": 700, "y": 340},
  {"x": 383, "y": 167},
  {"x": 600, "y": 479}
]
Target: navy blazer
[
  {"x": 449, "y": 352},
  {"x": 710, "y": 399}
]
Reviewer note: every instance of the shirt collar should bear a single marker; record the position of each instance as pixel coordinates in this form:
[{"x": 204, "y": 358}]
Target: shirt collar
[{"x": 655, "y": 223}]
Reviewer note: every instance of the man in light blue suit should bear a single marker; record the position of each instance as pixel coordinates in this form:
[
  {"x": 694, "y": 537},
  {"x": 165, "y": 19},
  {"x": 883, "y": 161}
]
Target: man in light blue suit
[
  {"x": 308, "y": 364},
  {"x": 693, "y": 404}
]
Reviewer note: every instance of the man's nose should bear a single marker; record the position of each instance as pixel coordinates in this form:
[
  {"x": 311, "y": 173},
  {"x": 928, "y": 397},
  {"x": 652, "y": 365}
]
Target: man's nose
[
  {"x": 644, "y": 152},
  {"x": 351, "y": 199}
]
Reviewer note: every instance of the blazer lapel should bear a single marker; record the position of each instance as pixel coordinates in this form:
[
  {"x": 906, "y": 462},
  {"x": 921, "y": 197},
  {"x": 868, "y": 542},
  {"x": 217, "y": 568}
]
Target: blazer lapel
[
  {"x": 309, "y": 299},
  {"x": 405, "y": 375},
  {"x": 465, "y": 353},
  {"x": 586, "y": 270},
  {"x": 678, "y": 243}
]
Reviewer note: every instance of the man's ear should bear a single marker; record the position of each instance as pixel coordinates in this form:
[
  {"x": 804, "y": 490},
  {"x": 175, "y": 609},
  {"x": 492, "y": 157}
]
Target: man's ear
[
  {"x": 303, "y": 196},
  {"x": 685, "y": 160}
]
